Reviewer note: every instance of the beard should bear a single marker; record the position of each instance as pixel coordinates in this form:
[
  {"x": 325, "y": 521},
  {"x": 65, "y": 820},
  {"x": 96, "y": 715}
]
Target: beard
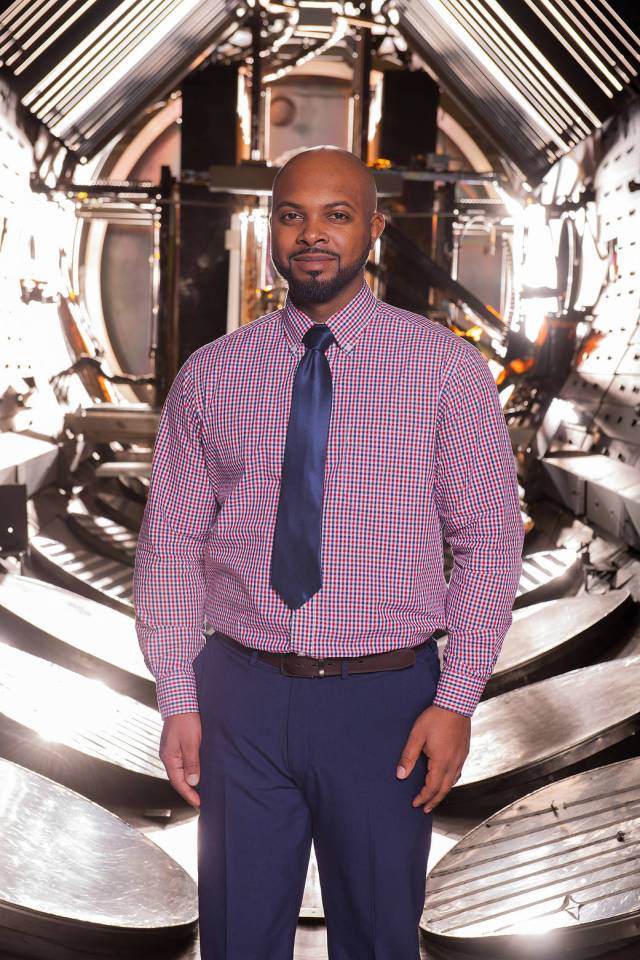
[{"x": 313, "y": 290}]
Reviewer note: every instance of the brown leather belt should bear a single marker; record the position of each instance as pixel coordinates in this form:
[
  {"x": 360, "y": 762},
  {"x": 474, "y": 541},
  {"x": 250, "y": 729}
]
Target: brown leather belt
[{"x": 293, "y": 665}]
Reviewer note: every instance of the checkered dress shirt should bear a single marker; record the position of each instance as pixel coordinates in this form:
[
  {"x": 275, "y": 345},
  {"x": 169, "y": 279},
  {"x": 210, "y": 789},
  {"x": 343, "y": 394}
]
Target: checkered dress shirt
[{"x": 418, "y": 446}]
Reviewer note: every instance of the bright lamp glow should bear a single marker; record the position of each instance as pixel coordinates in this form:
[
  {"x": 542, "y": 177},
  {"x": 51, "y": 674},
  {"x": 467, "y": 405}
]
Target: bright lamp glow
[{"x": 538, "y": 270}]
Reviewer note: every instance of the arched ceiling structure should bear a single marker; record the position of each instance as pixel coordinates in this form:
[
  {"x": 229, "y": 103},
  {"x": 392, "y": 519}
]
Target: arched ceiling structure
[{"x": 538, "y": 75}]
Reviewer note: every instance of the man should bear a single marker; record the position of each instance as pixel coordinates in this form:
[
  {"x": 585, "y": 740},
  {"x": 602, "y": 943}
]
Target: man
[{"x": 304, "y": 468}]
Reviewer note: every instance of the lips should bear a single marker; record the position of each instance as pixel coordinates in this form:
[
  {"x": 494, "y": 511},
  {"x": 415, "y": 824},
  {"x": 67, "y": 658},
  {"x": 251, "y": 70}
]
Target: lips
[
  {"x": 314, "y": 259},
  {"x": 314, "y": 262}
]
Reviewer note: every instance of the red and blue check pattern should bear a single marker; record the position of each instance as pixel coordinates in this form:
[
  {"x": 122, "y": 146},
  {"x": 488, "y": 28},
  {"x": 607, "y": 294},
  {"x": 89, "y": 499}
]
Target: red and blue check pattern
[{"x": 418, "y": 446}]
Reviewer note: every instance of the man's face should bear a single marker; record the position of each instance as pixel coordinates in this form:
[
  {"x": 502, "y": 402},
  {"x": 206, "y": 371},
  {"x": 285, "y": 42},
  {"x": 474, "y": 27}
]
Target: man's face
[{"x": 322, "y": 228}]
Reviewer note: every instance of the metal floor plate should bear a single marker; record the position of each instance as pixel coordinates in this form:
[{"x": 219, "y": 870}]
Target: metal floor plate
[
  {"x": 559, "y": 868},
  {"x": 544, "y": 727},
  {"x": 122, "y": 509},
  {"x": 72, "y": 871},
  {"x": 101, "y": 533}
]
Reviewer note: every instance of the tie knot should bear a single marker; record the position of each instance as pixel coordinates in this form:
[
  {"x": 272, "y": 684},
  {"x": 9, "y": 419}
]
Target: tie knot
[{"x": 318, "y": 337}]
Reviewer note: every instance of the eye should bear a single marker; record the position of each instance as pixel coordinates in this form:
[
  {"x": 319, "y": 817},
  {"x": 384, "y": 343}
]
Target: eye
[
  {"x": 340, "y": 215},
  {"x": 288, "y": 215}
]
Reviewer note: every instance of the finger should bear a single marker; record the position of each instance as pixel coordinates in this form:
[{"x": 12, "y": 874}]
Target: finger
[
  {"x": 409, "y": 755},
  {"x": 191, "y": 766},
  {"x": 440, "y": 795},
  {"x": 433, "y": 782},
  {"x": 175, "y": 772},
  {"x": 181, "y": 758},
  {"x": 430, "y": 784}
]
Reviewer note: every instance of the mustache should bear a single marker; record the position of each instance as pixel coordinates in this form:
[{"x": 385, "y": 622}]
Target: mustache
[{"x": 312, "y": 251}]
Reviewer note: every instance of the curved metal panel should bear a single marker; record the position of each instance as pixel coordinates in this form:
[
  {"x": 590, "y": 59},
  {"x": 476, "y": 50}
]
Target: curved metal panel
[
  {"x": 81, "y": 733},
  {"x": 538, "y": 730},
  {"x": 71, "y": 871},
  {"x": 75, "y": 632},
  {"x": 87, "y": 69},
  {"x": 558, "y": 869}
]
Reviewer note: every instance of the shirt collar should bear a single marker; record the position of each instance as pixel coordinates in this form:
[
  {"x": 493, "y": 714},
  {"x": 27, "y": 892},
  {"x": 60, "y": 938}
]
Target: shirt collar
[{"x": 346, "y": 325}]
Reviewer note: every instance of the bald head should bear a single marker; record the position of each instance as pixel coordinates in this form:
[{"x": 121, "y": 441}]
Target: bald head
[
  {"x": 318, "y": 163},
  {"x": 324, "y": 222}
]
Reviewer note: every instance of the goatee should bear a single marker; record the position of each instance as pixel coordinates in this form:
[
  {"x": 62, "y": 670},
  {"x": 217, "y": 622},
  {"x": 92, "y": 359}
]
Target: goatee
[{"x": 314, "y": 290}]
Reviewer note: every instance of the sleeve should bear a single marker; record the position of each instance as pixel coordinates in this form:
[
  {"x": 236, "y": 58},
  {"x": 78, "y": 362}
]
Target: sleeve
[
  {"x": 169, "y": 580},
  {"x": 476, "y": 491}
]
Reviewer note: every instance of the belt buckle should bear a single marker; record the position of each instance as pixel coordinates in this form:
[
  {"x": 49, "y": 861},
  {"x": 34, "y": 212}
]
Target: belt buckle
[{"x": 320, "y": 664}]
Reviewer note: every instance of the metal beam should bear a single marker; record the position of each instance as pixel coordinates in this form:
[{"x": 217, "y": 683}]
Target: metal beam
[{"x": 71, "y": 37}]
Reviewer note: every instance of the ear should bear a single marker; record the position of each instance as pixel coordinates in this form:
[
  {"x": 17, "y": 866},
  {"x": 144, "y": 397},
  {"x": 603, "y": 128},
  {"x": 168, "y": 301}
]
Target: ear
[{"x": 377, "y": 226}]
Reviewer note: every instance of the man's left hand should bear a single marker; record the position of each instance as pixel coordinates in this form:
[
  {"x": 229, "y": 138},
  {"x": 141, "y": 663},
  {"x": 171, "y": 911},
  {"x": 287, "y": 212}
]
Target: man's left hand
[{"x": 444, "y": 736}]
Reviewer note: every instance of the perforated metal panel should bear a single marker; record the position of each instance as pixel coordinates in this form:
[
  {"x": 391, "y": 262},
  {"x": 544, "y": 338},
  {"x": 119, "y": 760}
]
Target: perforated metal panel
[
  {"x": 585, "y": 387},
  {"x": 604, "y": 389},
  {"x": 622, "y": 423},
  {"x": 624, "y": 389}
]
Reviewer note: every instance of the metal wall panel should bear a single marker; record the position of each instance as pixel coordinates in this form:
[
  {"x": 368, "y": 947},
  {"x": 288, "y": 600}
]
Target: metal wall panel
[
  {"x": 567, "y": 476},
  {"x": 624, "y": 390},
  {"x": 609, "y": 375},
  {"x": 631, "y": 528},
  {"x": 622, "y": 423},
  {"x": 587, "y": 387},
  {"x": 605, "y": 504},
  {"x": 604, "y": 360}
]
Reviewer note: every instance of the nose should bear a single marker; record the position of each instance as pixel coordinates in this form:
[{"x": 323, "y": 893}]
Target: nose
[{"x": 312, "y": 232}]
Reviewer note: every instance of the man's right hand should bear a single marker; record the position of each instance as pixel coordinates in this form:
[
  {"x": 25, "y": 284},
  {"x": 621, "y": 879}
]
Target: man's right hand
[{"x": 180, "y": 753}]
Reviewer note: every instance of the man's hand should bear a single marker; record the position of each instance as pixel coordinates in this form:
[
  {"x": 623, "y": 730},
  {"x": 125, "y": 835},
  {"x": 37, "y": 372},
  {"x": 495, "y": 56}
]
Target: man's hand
[
  {"x": 180, "y": 753},
  {"x": 444, "y": 737}
]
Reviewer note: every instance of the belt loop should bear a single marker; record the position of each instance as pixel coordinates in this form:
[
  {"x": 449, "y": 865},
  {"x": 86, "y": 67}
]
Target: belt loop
[
  {"x": 345, "y": 669},
  {"x": 253, "y": 657}
]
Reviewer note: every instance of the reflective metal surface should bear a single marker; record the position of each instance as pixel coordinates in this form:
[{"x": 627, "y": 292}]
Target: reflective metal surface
[
  {"x": 545, "y": 636},
  {"x": 312, "y": 907},
  {"x": 74, "y": 632},
  {"x": 547, "y": 574},
  {"x": 558, "y": 868},
  {"x": 102, "y": 533},
  {"x": 122, "y": 508},
  {"x": 74, "y": 872},
  {"x": 542, "y": 728},
  {"x": 80, "y": 732},
  {"x": 65, "y": 558}
]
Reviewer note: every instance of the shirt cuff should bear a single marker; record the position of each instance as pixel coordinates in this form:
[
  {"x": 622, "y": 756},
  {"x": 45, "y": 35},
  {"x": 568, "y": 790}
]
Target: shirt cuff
[
  {"x": 458, "y": 692},
  {"x": 177, "y": 693}
]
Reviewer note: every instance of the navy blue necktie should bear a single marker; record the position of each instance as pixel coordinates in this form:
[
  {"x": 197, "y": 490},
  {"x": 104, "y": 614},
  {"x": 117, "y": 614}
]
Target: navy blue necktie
[{"x": 296, "y": 572}]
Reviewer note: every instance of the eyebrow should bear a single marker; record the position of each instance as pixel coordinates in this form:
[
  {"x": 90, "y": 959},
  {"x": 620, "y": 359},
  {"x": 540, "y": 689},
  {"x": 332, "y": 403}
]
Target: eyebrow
[{"x": 327, "y": 206}]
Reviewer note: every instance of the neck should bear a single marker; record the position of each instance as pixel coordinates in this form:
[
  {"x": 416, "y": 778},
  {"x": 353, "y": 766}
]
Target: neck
[{"x": 320, "y": 312}]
